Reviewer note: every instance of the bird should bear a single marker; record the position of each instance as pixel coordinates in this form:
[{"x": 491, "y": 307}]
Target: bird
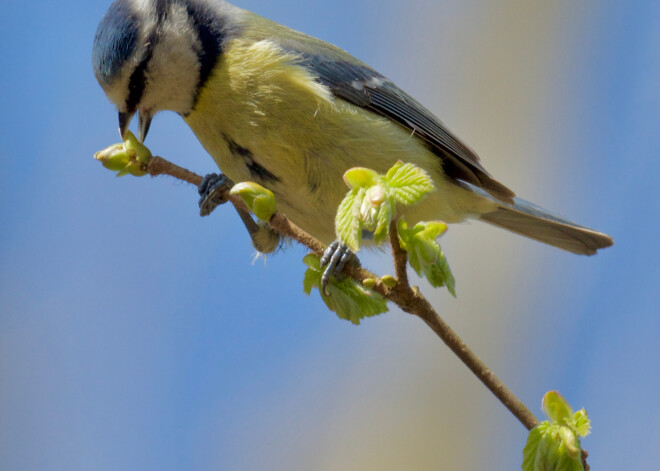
[{"x": 280, "y": 108}]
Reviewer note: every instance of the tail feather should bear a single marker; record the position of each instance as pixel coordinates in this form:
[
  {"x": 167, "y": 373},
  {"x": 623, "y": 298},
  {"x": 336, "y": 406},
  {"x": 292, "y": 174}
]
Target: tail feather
[
  {"x": 537, "y": 224},
  {"x": 529, "y": 220}
]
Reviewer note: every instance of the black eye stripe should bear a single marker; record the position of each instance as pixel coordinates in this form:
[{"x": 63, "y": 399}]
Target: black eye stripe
[
  {"x": 211, "y": 36},
  {"x": 138, "y": 80}
]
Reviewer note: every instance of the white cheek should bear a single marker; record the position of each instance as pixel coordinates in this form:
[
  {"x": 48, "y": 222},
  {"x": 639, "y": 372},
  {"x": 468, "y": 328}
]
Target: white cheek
[{"x": 174, "y": 69}]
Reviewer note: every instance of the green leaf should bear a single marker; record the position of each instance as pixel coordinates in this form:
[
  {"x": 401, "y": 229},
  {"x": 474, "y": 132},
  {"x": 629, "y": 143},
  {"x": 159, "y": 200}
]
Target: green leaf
[
  {"x": 347, "y": 298},
  {"x": 382, "y": 223},
  {"x": 352, "y": 301},
  {"x": 348, "y": 223},
  {"x": 570, "y": 441},
  {"x": 312, "y": 274},
  {"x": 259, "y": 200},
  {"x": 531, "y": 450},
  {"x": 424, "y": 253},
  {"x": 407, "y": 183},
  {"x": 582, "y": 424}
]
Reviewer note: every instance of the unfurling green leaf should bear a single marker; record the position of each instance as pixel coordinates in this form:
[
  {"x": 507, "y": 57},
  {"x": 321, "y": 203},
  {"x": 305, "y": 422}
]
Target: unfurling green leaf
[
  {"x": 259, "y": 200},
  {"x": 375, "y": 212},
  {"x": 408, "y": 183},
  {"x": 424, "y": 252},
  {"x": 313, "y": 274},
  {"x": 348, "y": 223},
  {"x": 347, "y": 298},
  {"x": 371, "y": 202},
  {"x": 360, "y": 177},
  {"x": 582, "y": 424},
  {"x": 381, "y": 226},
  {"x": 555, "y": 445},
  {"x": 556, "y": 407},
  {"x": 129, "y": 157}
]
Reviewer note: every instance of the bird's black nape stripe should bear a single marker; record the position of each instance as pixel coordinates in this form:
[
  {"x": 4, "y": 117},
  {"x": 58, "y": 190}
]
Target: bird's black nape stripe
[
  {"x": 256, "y": 170},
  {"x": 161, "y": 7},
  {"x": 209, "y": 28}
]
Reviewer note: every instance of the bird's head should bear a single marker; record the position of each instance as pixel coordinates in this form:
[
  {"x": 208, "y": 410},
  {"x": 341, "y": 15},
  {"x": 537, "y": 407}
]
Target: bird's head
[{"x": 153, "y": 55}]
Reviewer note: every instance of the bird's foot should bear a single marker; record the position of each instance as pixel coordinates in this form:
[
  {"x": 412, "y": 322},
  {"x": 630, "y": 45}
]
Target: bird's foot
[
  {"x": 212, "y": 192},
  {"x": 335, "y": 258}
]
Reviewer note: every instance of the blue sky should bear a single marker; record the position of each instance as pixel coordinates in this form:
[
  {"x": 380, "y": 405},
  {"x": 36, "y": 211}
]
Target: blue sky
[{"x": 136, "y": 335}]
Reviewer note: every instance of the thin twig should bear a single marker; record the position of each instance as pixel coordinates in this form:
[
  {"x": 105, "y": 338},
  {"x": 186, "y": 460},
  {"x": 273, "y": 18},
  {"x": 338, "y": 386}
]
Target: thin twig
[
  {"x": 407, "y": 298},
  {"x": 400, "y": 255},
  {"x": 423, "y": 309},
  {"x": 160, "y": 166}
]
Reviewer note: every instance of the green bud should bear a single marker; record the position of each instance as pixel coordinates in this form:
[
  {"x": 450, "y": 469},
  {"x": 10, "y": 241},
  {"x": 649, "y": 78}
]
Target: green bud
[
  {"x": 555, "y": 445},
  {"x": 130, "y": 157},
  {"x": 375, "y": 195},
  {"x": 259, "y": 200},
  {"x": 389, "y": 281},
  {"x": 113, "y": 157},
  {"x": 369, "y": 283}
]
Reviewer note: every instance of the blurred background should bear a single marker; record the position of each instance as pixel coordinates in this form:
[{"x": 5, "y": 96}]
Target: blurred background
[{"x": 136, "y": 335}]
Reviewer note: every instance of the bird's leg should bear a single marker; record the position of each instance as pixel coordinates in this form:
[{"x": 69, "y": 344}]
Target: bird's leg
[
  {"x": 212, "y": 192},
  {"x": 264, "y": 239},
  {"x": 335, "y": 258}
]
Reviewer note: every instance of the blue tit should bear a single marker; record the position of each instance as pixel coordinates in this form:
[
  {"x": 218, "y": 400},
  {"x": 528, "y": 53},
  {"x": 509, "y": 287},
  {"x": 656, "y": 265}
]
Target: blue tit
[{"x": 293, "y": 113}]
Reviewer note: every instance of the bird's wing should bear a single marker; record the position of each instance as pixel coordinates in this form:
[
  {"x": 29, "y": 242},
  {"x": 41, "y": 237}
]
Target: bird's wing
[{"x": 357, "y": 83}]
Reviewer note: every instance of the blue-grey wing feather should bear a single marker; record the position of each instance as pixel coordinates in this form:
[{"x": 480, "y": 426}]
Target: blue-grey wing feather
[{"x": 357, "y": 83}]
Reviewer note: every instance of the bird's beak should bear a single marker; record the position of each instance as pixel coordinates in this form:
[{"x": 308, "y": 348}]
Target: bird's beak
[
  {"x": 124, "y": 121},
  {"x": 145, "y": 118}
]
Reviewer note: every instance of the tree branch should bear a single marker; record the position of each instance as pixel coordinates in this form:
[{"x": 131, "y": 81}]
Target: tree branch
[{"x": 407, "y": 298}]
